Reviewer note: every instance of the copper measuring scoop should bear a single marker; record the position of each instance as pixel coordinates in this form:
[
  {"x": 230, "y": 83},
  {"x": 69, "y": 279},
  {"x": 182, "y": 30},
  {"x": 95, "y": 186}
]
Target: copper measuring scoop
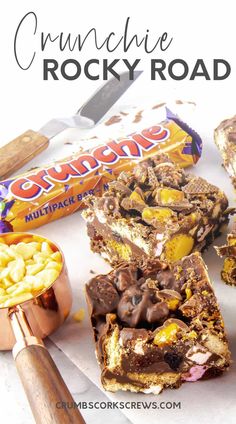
[{"x": 22, "y": 328}]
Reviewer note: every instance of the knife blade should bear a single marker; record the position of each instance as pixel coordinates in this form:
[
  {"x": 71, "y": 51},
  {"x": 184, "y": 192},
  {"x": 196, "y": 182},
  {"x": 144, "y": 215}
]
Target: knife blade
[{"x": 22, "y": 149}]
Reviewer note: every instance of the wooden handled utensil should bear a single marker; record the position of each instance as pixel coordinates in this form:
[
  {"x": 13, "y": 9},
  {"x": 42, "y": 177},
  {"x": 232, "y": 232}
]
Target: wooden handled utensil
[{"x": 29, "y": 144}]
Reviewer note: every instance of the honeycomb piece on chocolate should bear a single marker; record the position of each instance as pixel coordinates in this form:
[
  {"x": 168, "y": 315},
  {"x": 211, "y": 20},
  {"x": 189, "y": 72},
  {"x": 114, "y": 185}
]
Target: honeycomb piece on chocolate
[
  {"x": 225, "y": 140},
  {"x": 160, "y": 327},
  {"x": 228, "y": 251},
  {"x": 156, "y": 210}
]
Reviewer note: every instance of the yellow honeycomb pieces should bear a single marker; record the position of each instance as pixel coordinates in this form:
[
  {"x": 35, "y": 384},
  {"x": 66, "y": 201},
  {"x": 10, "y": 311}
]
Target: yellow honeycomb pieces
[
  {"x": 79, "y": 315},
  {"x": 166, "y": 335},
  {"x": 159, "y": 214},
  {"x": 178, "y": 246},
  {"x": 122, "y": 249},
  {"x": 136, "y": 196},
  {"x": 188, "y": 292},
  {"x": 169, "y": 195},
  {"x": 173, "y": 304}
]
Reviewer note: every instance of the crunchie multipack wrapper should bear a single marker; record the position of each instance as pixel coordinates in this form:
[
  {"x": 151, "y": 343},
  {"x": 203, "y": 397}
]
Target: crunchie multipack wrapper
[{"x": 47, "y": 193}]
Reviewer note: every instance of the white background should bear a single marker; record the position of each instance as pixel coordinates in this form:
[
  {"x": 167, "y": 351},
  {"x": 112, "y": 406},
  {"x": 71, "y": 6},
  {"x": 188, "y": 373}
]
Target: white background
[{"x": 200, "y": 30}]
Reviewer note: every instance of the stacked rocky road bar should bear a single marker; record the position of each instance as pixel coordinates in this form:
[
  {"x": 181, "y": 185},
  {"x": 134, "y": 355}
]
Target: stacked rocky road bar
[
  {"x": 225, "y": 139},
  {"x": 156, "y": 210},
  {"x": 155, "y": 317},
  {"x": 156, "y": 325}
]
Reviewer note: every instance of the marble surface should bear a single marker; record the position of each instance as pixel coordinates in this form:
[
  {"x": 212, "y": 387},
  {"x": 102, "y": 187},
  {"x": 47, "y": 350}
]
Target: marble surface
[{"x": 15, "y": 408}]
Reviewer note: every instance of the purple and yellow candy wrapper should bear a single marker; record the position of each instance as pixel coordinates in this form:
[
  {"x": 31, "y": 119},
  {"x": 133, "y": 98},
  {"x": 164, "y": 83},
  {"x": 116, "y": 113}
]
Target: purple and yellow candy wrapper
[{"x": 56, "y": 190}]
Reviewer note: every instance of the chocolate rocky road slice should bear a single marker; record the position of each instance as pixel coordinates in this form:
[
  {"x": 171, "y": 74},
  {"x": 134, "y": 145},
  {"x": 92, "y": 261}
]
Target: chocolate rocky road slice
[
  {"x": 228, "y": 251},
  {"x": 156, "y": 325},
  {"x": 156, "y": 210},
  {"x": 225, "y": 140}
]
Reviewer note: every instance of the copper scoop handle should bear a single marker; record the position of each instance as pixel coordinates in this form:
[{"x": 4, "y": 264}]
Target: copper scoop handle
[{"x": 44, "y": 386}]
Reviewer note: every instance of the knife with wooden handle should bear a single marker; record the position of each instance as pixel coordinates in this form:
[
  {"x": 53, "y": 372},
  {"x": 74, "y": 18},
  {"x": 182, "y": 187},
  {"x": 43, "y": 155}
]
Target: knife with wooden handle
[
  {"x": 20, "y": 151},
  {"x": 29, "y": 144}
]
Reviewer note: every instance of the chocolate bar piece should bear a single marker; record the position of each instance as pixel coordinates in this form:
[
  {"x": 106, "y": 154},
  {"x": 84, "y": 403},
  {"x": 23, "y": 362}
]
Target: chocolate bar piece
[
  {"x": 228, "y": 251},
  {"x": 157, "y": 325},
  {"x": 156, "y": 210},
  {"x": 225, "y": 139}
]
